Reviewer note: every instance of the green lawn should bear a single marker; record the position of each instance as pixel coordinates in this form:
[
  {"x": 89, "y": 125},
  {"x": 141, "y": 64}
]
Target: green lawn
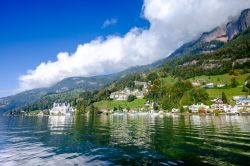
[
  {"x": 224, "y": 79},
  {"x": 217, "y": 79},
  {"x": 106, "y": 104},
  {"x": 216, "y": 93},
  {"x": 221, "y": 79}
]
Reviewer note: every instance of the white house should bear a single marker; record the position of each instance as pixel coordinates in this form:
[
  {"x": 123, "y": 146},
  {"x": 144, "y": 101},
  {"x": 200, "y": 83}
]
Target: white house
[
  {"x": 62, "y": 109},
  {"x": 175, "y": 110},
  {"x": 235, "y": 98},
  {"x": 196, "y": 83},
  {"x": 231, "y": 109},
  {"x": 221, "y": 85},
  {"x": 197, "y": 107},
  {"x": 209, "y": 85},
  {"x": 243, "y": 102},
  {"x": 218, "y": 104},
  {"x": 123, "y": 94},
  {"x": 119, "y": 95}
]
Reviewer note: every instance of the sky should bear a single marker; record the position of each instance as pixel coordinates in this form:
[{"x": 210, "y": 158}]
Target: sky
[
  {"x": 32, "y": 32},
  {"x": 45, "y": 41}
]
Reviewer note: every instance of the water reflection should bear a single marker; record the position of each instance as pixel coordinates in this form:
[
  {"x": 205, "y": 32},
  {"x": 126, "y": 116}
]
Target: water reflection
[
  {"x": 58, "y": 124},
  {"x": 130, "y": 139}
]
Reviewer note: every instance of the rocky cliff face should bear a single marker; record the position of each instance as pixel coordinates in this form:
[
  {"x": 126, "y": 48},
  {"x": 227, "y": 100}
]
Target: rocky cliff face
[
  {"x": 210, "y": 41},
  {"x": 235, "y": 27},
  {"x": 218, "y": 34},
  {"x": 227, "y": 32}
]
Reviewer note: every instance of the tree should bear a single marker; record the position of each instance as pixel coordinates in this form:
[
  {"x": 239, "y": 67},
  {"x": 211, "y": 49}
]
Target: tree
[
  {"x": 186, "y": 99},
  {"x": 155, "y": 106},
  {"x": 93, "y": 109},
  {"x": 167, "y": 103},
  {"x": 131, "y": 98},
  {"x": 247, "y": 84},
  {"x": 246, "y": 87},
  {"x": 199, "y": 96},
  {"x": 152, "y": 77},
  {"x": 131, "y": 85},
  {"x": 224, "y": 98},
  {"x": 234, "y": 83},
  {"x": 234, "y": 72}
]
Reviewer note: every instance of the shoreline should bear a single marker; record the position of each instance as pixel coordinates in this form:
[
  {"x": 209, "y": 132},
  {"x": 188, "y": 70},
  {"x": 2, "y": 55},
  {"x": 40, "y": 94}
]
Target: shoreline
[{"x": 144, "y": 113}]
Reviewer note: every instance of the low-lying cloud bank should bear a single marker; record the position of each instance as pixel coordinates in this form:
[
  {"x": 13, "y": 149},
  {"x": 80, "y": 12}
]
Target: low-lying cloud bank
[{"x": 172, "y": 22}]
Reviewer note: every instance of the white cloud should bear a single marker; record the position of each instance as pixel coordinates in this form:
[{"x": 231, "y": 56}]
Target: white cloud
[
  {"x": 172, "y": 22},
  {"x": 109, "y": 22}
]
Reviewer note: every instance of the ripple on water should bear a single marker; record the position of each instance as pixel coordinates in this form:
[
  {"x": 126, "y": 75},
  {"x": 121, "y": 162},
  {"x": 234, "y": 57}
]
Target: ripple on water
[{"x": 125, "y": 140}]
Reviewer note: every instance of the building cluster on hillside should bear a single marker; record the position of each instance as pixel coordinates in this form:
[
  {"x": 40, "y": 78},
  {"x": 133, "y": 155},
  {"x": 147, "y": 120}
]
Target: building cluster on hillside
[
  {"x": 212, "y": 85},
  {"x": 242, "y": 103},
  {"x": 62, "y": 109},
  {"x": 204, "y": 84},
  {"x": 241, "y": 61},
  {"x": 126, "y": 92}
]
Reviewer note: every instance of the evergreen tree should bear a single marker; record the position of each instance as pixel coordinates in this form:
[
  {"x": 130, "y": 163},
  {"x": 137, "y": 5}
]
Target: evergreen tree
[
  {"x": 131, "y": 98},
  {"x": 234, "y": 83},
  {"x": 224, "y": 98}
]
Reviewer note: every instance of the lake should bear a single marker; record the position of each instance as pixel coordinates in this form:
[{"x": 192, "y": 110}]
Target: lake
[{"x": 125, "y": 140}]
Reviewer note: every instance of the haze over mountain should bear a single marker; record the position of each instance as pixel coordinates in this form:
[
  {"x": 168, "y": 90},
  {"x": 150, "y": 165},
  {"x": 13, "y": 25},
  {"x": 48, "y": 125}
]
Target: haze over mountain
[{"x": 172, "y": 23}]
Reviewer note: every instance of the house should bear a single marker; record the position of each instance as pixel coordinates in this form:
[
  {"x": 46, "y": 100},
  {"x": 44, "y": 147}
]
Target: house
[
  {"x": 139, "y": 94},
  {"x": 218, "y": 104},
  {"x": 119, "y": 95},
  {"x": 209, "y": 85},
  {"x": 197, "y": 107},
  {"x": 62, "y": 109},
  {"x": 148, "y": 104},
  {"x": 175, "y": 110},
  {"x": 221, "y": 85},
  {"x": 126, "y": 92},
  {"x": 231, "y": 109},
  {"x": 103, "y": 111},
  {"x": 40, "y": 113},
  {"x": 196, "y": 83},
  {"x": 243, "y": 103},
  {"x": 235, "y": 98},
  {"x": 144, "y": 84}
]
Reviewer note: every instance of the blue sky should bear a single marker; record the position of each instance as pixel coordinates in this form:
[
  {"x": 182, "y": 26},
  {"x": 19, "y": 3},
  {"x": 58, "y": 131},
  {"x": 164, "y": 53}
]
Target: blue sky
[{"x": 36, "y": 31}]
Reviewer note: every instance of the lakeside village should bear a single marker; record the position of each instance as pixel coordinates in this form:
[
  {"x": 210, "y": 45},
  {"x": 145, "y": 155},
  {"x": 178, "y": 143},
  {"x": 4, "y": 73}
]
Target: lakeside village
[{"x": 242, "y": 103}]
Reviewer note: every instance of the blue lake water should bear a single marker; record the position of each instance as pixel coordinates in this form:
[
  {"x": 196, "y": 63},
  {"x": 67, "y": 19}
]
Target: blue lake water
[{"x": 125, "y": 140}]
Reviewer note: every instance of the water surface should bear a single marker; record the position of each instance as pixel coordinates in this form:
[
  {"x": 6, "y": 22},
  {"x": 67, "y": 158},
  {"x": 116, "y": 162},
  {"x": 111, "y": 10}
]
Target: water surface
[{"x": 125, "y": 140}]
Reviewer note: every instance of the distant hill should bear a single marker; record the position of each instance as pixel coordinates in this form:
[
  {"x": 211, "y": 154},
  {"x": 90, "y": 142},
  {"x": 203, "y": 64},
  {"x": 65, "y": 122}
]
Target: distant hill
[{"x": 72, "y": 85}]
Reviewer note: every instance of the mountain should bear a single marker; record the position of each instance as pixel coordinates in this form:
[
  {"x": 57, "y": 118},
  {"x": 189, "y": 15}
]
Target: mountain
[
  {"x": 72, "y": 85},
  {"x": 233, "y": 56},
  {"x": 235, "y": 27},
  {"x": 211, "y": 41},
  {"x": 208, "y": 42}
]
